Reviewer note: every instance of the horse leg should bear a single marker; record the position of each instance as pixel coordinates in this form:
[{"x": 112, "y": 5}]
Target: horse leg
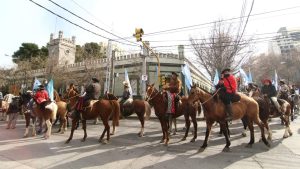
[
  {"x": 194, "y": 120},
  {"x": 107, "y": 131},
  {"x": 175, "y": 126},
  {"x": 74, "y": 123},
  {"x": 245, "y": 123},
  {"x": 27, "y": 120},
  {"x": 63, "y": 125},
  {"x": 224, "y": 127},
  {"x": 142, "y": 120},
  {"x": 187, "y": 125},
  {"x": 261, "y": 126},
  {"x": 208, "y": 129},
  {"x": 162, "y": 129},
  {"x": 84, "y": 130},
  {"x": 49, "y": 126},
  {"x": 268, "y": 129},
  {"x": 33, "y": 126},
  {"x": 166, "y": 133},
  {"x": 251, "y": 128},
  {"x": 287, "y": 127}
]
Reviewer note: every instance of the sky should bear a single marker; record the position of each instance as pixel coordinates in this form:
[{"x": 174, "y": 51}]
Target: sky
[{"x": 23, "y": 21}]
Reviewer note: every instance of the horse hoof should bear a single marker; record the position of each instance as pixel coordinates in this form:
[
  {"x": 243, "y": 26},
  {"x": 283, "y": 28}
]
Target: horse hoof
[
  {"x": 244, "y": 134},
  {"x": 249, "y": 146},
  {"x": 161, "y": 141},
  {"x": 25, "y": 136},
  {"x": 260, "y": 140},
  {"x": 183, "y": 139},
  {"x": 104, "y": 142},
  {"x": 192, "y": 141},
  {"x": 226, "y": 149},
  {"x": 62, "y": 132},
  {"x": 83, "y": 140},
  {"x": 112, "y": 134},
  {"x": 174, "y": 133},
  {"x": 166, "y": 144},
  {"x": 285, "y": 136},
  {"x": 269, "y": 138},
  {"x": 201, "y": 149},
  {"x": 67, "y": 142}
]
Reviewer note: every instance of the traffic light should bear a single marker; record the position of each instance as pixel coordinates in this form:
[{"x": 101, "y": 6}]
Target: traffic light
[{"x": 138, "y": 34}]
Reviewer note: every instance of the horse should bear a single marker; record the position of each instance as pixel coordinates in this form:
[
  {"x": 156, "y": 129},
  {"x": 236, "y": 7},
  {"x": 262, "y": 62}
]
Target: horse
[
  {"x": 106, "y": 109},
  {"x": 140, "y": 107},
  {"x": 28, "y": 113},
  {"x": 268, "y": 110},
  {"x": 3, "y": 109},
  {"x": 156, "y": 98},
  {"x": 214, "y": 110},
  {"x": 296, "y": 100},
  {"x": 62, "y": 112},
  {"x": 48, "y": 115},
  {"x": 286, "y": 97}
]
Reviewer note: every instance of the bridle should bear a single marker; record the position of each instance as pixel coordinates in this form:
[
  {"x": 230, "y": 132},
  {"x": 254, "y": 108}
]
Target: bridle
[
  {"x": 149, "y": 98},
  {"x": 210, "y": 97}
]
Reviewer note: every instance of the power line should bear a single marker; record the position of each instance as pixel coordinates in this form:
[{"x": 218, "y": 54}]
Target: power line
[
  {"x": 212, "y": 22},
  {"x": 91, "y": 22},
  {"x": 78, "y": 24}
]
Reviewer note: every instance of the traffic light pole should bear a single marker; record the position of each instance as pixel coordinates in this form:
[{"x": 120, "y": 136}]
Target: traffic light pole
[{"x": 157, "y": 57}]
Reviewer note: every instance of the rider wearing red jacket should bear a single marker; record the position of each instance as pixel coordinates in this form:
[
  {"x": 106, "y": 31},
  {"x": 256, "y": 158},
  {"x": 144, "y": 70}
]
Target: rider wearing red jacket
[
  {"x": 41, "y": 97},
  {"x": 229, "y": 85}
]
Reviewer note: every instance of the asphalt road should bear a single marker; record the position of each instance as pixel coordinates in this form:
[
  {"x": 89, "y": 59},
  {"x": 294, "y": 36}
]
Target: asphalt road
[{"x": 127, "y": 150}]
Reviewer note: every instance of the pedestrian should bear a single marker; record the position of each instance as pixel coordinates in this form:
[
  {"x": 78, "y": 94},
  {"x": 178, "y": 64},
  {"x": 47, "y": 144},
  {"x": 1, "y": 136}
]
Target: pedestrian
[{"x": 12, "y": 112}]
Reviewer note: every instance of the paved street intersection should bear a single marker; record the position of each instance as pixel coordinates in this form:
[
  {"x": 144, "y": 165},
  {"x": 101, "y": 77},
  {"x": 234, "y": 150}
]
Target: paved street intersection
[{"x": 127, "y": 150}]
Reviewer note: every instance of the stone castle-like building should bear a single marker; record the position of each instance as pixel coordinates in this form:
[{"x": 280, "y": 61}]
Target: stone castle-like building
[{"x": 62, "y": 55}]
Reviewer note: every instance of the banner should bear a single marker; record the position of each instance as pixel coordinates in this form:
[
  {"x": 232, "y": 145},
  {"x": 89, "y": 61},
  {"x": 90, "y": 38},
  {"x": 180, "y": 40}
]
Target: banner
[
  {"x": 275, "y": 82},
  {"x": 128, "y": 81},
  {"x": 250, "y": 80},
  {"x": 50, "y": 89},
  {"x": 216, "y": 78},
  {"x": 36, "y": 84},
  {"x": 187, "y": 76},
  {"x": 244, "y": 77}
]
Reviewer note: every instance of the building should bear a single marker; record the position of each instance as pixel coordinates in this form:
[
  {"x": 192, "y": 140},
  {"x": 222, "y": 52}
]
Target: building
[
  {"x": 285, "y": 41},
  {"x": 62, "y": 62}
]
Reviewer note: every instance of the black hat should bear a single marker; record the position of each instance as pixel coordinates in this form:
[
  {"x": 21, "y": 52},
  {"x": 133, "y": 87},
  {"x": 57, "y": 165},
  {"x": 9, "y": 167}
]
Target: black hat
[
  {"x": 225, "y": 70},
  {"x": 174, "y": 73},
  {"x": 282, "y": 81},
  {"x": 41, "y": 86},
  {"x": 95, "y": 80}
]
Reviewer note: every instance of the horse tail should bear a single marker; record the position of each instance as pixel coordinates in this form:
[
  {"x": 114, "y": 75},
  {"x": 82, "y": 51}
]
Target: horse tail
[
  {"x": 116, "y": 112},
  {"x": 147, "y": 110}
]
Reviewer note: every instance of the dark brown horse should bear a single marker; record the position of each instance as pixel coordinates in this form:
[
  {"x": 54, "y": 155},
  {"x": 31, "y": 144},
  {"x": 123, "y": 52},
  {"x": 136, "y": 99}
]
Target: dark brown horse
[
  {"x": 156, "y": 98},
  {"x": 106, "y": 109},
  {"x": 214, "y": 110},
  {"x": 268, "y": 110}
]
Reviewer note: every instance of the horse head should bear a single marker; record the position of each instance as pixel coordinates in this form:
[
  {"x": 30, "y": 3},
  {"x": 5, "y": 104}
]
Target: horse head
[{"x": 151, "y": 92}]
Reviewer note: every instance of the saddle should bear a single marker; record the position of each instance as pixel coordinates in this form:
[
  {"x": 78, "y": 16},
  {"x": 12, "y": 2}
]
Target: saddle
[{"x": 236, "y": 98}]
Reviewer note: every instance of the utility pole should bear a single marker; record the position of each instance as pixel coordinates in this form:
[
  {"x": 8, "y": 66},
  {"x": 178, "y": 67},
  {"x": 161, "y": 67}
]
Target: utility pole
[
  {"x": 112, "y": 73},
  {"x": 144, "y": 68},
  {"x": 108, "y": 70}
]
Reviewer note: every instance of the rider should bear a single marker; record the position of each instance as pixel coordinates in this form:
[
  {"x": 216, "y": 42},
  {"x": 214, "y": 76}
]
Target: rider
[
  {"x": 126, "y": 94},
  {"x": 283, "y": 90},
  {"x": 173, "y": 89},
  {"x": 229, "y": 85},
  {"x": 41, "y": 97},
  {"x": 92, "y": 92},
  {"x": 269, "y": 90}
]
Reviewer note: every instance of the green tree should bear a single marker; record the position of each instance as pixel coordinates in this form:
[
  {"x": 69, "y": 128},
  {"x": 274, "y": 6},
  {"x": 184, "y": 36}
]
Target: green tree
[{"x": 30, "y": 52}]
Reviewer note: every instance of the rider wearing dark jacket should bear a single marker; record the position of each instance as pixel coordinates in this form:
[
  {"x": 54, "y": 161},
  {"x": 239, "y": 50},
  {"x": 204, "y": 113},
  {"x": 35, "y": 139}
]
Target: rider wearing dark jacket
[
  {"x": 269, "y": 90},
  {"x": 93, "y": 90}
]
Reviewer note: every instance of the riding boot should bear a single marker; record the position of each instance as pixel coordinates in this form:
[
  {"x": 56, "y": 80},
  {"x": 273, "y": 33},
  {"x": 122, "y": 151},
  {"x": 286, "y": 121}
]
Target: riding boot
[{"x": 228, "y": 110}]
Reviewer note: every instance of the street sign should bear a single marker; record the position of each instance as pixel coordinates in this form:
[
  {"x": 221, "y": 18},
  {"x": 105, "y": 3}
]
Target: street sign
[{"x": 144, "y": 77}]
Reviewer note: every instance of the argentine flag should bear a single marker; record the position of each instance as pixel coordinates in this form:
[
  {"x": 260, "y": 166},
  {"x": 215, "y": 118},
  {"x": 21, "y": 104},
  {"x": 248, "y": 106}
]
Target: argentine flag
[
  {"x": 128, "y": 81},
  {"x": 50, "y": 89}
]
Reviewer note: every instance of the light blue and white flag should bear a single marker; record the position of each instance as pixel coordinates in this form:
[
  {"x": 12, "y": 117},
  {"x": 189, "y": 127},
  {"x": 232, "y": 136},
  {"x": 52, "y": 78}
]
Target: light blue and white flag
[
  {"x": 276, "y": 80},
  {"x": 187, "y": 76},
  {"x": 50, "y": 89},
  {"x": 244, "y": 77},
  {"x": 216, "y": 78},
  {"x": 250, "y": 80},
  {"x": 36, "y": 84},
  {"x": 128, "y": 81}
]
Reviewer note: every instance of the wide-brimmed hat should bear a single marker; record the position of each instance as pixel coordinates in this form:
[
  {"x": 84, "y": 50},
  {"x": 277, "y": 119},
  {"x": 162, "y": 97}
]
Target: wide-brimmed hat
[
  {"x": 41, "y": 86},
  {"x": 282, "y": 81},
  {"x": 126, "y": 85},
  {"x": 95, "y": 80},
  {"x": 174, "y": 73},
  {"x": 28, "y": 91},
  {"x": 225, "y": 70}
]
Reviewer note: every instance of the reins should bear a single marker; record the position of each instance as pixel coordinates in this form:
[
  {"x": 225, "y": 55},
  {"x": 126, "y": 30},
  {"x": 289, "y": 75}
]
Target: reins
[
  {"x": 211, "y": 97},
  {"x": 153, "y": 96}
]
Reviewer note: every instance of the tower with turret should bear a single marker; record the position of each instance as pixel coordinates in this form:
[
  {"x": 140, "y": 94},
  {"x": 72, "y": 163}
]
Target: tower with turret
[{"x": 61, "y": 50}]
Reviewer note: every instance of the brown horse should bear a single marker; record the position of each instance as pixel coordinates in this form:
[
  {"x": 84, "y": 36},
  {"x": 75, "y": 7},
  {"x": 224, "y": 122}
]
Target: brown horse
[
  {"x": 156, "y": 98},
  {"x": 106, "y": 109},
  {"x": 268, "y": 110},
  {"x": 142, "y": 110},
  {"x": 61, "y": 113},
  {"x": 214, "y": 110}
]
